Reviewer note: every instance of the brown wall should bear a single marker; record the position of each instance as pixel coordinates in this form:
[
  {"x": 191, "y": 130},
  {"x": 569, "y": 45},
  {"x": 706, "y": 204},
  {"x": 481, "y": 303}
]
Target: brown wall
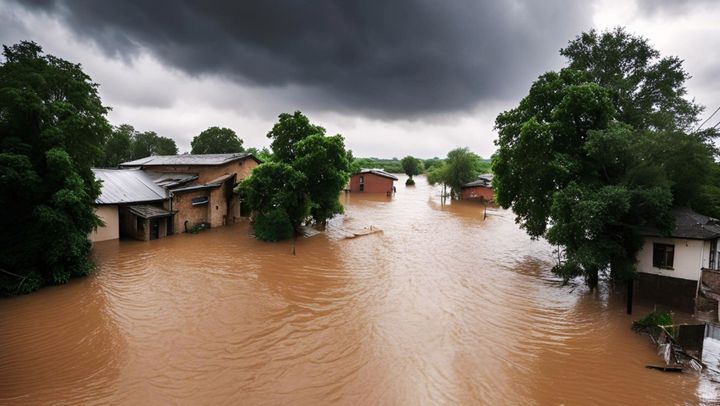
[
  {"x": 207, "y": 173},
  {"x": 373, "y": 183},
  {"x": 676, "y": 292},
  {"x": 478, "y": 192},
  {"x": 185, "y": 211}
]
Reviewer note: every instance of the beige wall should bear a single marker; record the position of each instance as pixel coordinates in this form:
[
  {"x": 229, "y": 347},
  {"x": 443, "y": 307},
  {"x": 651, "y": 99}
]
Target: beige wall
[
  {"x": 689, "y": 258},
  {"x": 111, "y": 231}
]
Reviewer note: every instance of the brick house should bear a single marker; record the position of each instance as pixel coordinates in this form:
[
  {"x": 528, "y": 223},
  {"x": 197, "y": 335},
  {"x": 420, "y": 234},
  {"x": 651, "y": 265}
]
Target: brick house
[
  {"x": 480, "y": 189},
  {"x": 159, "y": 195},
  {"x": 372, "y": 181}
]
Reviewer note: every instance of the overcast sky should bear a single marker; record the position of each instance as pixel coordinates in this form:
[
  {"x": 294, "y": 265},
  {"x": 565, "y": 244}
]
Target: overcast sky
[{"x": 400, "y": 77}]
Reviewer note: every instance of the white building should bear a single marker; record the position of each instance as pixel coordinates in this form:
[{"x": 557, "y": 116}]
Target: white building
[{"x": 671, "y": 266}]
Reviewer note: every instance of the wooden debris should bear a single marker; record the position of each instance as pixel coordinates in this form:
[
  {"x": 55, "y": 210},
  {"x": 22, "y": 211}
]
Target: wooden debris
[{"x": 664, "y": 368}]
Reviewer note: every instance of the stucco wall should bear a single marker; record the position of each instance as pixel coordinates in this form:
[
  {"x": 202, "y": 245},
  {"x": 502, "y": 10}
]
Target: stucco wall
[
  {"x": 689, "y": 258},
  {"x": 373, "y": 183},
  {"x": 477, "y": 192},
  {"x": 185, "y": 211},
  {"x": 111, "y": 231}
]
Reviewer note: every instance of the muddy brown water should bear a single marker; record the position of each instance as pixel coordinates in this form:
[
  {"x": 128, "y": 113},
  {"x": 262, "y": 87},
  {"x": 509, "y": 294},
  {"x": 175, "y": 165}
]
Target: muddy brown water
[{"x": 443, "y": 307}]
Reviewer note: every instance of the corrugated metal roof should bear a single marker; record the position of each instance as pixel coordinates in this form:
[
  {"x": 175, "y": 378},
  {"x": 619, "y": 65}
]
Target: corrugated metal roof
[
  {"x": 188, "y": 159},
  {"x": 170, "y": 180},
  {"x": 148, "y": 212},
  {"x": 127, "y": 186},
  {"x": 483, "y": 180},
  {"x": 379, "y": 172}
]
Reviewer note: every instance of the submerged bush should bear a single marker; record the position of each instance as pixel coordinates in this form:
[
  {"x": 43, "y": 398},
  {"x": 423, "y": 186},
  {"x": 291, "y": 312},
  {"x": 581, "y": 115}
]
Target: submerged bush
[
  {"x": 273, "y": 226},
  {"x": 650, "y": 323},
  {"x": 410, "y": 182}
]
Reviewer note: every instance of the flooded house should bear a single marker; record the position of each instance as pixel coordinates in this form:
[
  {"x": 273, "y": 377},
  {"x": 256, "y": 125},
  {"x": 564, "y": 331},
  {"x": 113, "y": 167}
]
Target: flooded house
[
  {"x": 176, "y": 192},
  {"x": 372, "y": 181},
  {"x": 671, "y": 267},
  {"x": 130, "y": 205},
  {"x": 480, "y": 189}
]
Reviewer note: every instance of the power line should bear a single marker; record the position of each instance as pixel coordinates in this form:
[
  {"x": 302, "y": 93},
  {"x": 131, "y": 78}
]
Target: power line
[{"x": 708, "y": 119}]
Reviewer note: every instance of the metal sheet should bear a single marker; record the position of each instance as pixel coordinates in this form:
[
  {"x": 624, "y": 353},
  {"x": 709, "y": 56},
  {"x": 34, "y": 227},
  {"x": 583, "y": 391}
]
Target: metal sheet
[{"x": 127, "y": 186}]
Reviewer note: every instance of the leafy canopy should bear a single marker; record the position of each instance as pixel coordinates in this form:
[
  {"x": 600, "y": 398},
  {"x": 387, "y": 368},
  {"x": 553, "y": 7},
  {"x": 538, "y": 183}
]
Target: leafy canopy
[
  {"x": 216, "y": 140},
  {"x": 411, "y": 166},
  {"x": 597, "y": 151},
  {"x": 460, "y": 167},
  {"x": 312, "y": 170},
  {"x": 126, "y": 144},
  {"x": 52, "y": 128}
]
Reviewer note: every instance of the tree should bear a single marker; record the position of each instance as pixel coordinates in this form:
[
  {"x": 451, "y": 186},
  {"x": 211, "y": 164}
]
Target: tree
[
  {"x": 324, "y": 162},
  {"x": 119, "y": 146},
  {"x": 587, "y": 161},
  {"x": 411, "y": 166},
  {"x": 646, "y": 90},
  {"x": 263, "y": 154},
  {"x": 277, "y": 194},
  {"x": 52, "y": 127},
  {"x": 149, "y": 143},
  {"x": 300, "y": 147},
  {"x": 216, "y": 140},
  {"x": 288, "y": 131},
  {"x": 460, "y": 167}
]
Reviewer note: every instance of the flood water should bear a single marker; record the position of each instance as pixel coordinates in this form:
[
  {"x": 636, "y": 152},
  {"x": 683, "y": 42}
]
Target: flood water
[{"x": 442, "y": 307}]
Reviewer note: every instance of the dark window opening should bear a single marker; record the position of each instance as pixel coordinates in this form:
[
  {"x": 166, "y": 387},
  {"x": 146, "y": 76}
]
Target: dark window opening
[
  {"x": 198, "y": 201},
  {"x": 663, "y": 255},
  {"x": 362, "y": 179},
  {"x": 140, "y": 223}
]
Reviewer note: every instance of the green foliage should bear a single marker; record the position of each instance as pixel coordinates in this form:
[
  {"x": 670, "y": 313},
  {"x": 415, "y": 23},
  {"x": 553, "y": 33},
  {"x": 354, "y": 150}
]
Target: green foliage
[
  {"x": 323, "y": 161},
  {"x": 126, "y": 144},
  {"x": 276, "y": 186},
  {"x": 216, "y": 140},
  {"x": 149, "y": 143},
  {"x": 288, "y": 131},
  {"x": 411, "y": 166},
  {"x": 586, "y": 161},
  {"x": 650, "y": 323},
  {"x": 274, "y": 225},
  {"x": 264, "y": 154},
  {"x": 388, "y": 165},
  {"x": 52, "y": 127},
  {"x": 647, "y": 90},
  {"x": 304, "y": 179},
  {"x": 460, "y": 167},
  {"x": 410, "y": 182},
  {"x": 430, "y": 164}
]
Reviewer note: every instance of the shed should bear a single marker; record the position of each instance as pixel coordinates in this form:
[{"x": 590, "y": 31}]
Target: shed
[{"x": 372, "y": 181}]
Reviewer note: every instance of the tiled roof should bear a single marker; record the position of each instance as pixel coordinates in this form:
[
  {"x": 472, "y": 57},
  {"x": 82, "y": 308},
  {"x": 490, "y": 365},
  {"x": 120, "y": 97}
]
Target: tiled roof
[{"x": 690, "y": 225}]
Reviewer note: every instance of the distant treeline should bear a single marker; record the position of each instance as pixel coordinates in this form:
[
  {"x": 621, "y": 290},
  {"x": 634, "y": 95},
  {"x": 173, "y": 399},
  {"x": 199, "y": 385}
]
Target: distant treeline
[{"x": 393, "y": 165}]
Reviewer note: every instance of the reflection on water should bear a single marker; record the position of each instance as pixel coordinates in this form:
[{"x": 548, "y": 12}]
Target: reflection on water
[{"x": 442, "y": 307}]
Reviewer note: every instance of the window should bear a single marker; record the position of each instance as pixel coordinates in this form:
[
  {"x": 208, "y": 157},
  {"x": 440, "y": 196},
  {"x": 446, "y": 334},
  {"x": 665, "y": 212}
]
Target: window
[
  {"x": 663, "y": 256},
  {"x": 197, "y": 201},
  {"x": 713, "y": 254},
  {"x": 362, "y": 179}
]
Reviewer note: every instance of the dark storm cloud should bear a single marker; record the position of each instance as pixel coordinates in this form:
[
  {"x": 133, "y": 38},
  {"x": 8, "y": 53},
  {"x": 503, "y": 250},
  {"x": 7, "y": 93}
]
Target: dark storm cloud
[{"x": 387, "y": 58}]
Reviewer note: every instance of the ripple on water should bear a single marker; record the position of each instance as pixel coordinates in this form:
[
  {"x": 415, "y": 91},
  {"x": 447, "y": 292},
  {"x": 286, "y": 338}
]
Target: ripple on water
[{"x": 442, "y": 307}]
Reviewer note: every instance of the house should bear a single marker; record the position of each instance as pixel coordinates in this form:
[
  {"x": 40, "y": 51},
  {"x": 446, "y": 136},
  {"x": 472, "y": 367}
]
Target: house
[
  {"x": 480, "y": 189},
  {"x": 159, "y": 195},
  {"x": 208, "y": 197},
  {"x": 372, "y": 181},
  {"x": 670, "y": 267},
  {"x": 131, "y": 205}
]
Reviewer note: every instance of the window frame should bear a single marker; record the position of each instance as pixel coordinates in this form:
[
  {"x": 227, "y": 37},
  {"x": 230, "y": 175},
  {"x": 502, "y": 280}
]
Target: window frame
[{"x": 660, "y": 256}]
